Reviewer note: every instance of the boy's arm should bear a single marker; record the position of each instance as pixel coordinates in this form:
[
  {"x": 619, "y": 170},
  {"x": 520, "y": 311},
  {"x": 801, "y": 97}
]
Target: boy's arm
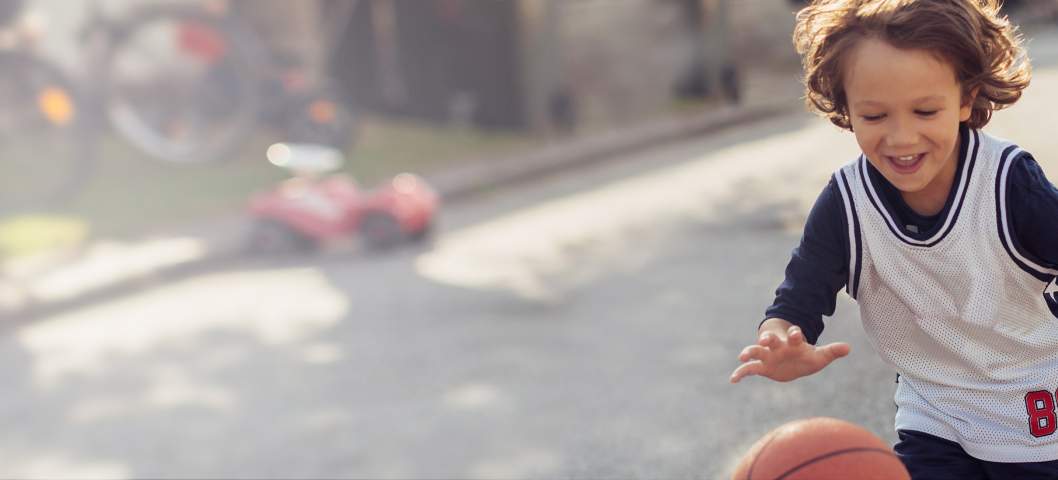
[
  {"x": 817, "y": 270},
  {"x": 785, "y": 348},
  {"x": 1033, "y": 209}
]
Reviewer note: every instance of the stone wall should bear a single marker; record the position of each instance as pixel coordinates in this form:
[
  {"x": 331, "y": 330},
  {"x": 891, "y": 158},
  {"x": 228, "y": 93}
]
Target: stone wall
[
  {"x": 622, "y": 58},
  {"x": 762, "y": 30}
]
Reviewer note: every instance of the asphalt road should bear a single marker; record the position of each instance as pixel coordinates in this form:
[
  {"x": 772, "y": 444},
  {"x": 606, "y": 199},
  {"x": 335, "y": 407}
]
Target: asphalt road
[{"x": 581, "y": 326}]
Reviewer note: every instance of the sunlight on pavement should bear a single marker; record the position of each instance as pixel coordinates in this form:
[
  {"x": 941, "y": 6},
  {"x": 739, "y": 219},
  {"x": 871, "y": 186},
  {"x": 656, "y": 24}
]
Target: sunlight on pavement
[
  {"x": 111, "y": 262},
  {"x": 471, "y": 396},
  {"x": 529, "y": 463},
  {"x": 175, "y": 388},
  {"x": 540, "y": 252},
  {"x": 58, "y": 465},
  {"x": 276, "y": 307},
  {"x": 322, "y": 353}
]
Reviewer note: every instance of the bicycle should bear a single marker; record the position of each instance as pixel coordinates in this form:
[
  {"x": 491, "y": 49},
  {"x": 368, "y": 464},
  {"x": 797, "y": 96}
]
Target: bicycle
[
  {"x": 45, "y": 144},
  {"x": 220, "y": 84},
  {"x": 182, "y": 83},
  {"x": 173, "y": 81}
]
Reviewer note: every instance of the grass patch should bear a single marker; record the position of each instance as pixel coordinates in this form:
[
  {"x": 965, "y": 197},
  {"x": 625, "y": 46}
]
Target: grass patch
[
  {"x": 387, "y": 147},
  {"x": 129, "y": 194},
  {"x": 28, "y": 234}
]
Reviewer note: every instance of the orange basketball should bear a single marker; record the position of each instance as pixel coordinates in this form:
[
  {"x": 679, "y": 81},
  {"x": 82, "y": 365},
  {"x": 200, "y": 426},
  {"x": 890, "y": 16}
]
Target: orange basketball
[{"x": 820, "y": 449}]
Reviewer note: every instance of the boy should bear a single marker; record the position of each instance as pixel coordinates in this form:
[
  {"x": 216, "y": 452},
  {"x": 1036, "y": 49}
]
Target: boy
[{"x": 946, "y": 237}]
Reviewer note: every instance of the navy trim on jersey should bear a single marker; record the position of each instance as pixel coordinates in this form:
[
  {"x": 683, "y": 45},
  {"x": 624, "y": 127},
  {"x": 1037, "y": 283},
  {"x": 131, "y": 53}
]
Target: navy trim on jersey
[
  {"x": 1020, "y": 258},
  {"x": 968, "y": 150},
  {"x": 855, "y": 243}
]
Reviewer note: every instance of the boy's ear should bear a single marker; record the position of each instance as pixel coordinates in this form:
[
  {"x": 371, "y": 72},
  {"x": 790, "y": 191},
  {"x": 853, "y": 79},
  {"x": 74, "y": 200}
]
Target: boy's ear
[
  {"x": 971, "y": 95},
  {"x": 967, "y": 104}
]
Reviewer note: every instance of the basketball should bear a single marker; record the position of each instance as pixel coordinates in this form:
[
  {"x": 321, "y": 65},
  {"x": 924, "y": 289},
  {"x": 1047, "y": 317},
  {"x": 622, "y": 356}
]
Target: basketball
[{"x": 820, "y": 449}]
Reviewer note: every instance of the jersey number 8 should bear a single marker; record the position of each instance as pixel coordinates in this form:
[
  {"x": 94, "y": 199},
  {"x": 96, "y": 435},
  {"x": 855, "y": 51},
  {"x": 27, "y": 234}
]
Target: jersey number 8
[{"x": 1040, "y": 405}]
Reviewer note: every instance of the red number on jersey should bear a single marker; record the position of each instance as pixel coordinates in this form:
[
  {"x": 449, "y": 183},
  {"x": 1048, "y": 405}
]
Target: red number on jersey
[{"x": 1040, "y": 406}]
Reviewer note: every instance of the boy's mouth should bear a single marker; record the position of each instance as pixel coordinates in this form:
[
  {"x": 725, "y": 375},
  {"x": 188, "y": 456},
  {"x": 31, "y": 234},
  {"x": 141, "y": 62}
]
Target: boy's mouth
[{"x": 906, "y": 164}]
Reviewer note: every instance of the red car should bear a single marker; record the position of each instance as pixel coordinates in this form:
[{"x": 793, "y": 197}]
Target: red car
[{"x": 312, "y": 209}]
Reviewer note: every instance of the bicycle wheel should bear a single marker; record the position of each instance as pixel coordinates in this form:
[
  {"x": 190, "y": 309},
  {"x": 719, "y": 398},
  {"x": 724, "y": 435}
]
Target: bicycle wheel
[
  {"x": 45, "y": 148},
  {"x": 182, "y": 85}
]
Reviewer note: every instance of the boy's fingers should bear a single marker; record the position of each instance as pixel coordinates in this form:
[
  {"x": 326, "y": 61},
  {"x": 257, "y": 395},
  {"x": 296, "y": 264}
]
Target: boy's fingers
[
  {"x": 754, "y": 352},
  {"x": 835, "y": 351},
  {"x": 795, "y": 337},
  {"x": 746, "y": 369},
  {"x": 769, "y": 340}
]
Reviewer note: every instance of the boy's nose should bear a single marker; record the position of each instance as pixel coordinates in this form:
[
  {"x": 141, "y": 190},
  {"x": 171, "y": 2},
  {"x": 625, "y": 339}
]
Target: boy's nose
[{"x": 901, "y": 133}]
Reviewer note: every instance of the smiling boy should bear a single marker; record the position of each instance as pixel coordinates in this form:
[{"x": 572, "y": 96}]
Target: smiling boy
[{"x": 946, "y": 236}]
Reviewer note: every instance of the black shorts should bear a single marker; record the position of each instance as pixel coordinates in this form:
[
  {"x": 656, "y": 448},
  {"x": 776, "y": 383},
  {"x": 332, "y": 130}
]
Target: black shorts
[{"x": 933, "y": 458}]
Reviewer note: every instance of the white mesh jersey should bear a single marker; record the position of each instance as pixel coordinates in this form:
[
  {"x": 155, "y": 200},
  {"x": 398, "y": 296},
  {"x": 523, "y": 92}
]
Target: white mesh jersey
[{"x": 963, "y": 316}]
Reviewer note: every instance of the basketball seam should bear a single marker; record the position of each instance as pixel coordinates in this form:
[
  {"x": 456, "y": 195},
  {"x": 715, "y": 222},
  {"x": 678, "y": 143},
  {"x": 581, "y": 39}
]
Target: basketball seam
[
  {"x": 760, "y": 453},
  {"x": 832, "y": 454}
]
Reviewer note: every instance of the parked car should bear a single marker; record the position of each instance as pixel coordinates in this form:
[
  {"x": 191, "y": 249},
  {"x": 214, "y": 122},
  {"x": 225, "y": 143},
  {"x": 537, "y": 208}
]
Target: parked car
[{"x": 316, "y": 206}]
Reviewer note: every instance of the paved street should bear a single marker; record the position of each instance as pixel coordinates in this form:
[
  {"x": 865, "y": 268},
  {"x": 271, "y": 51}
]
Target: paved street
[{"x": 581, "y": 326}]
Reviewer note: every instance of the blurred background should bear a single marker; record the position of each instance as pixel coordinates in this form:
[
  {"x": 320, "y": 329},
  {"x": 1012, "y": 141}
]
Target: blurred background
[{"x": 413, "y": 238}]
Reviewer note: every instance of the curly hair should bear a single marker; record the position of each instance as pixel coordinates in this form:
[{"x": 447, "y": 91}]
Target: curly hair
[{"x": 981, "y": 45}]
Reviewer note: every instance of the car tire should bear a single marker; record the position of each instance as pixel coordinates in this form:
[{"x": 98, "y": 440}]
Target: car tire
[
  {"x": 380, "y": 230},
  {"x": 423, "y": 234},
  {"x": 271, "y": 237}
]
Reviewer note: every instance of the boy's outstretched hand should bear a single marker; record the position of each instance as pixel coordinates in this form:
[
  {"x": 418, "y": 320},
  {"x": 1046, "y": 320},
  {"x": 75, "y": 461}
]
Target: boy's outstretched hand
[{"x": 782, "y": 354}]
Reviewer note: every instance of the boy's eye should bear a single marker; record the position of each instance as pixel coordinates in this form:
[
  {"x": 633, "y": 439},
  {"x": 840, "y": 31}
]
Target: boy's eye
[
  {"x": 926, "y": 113},
  {"x": 871, "y": 118}
]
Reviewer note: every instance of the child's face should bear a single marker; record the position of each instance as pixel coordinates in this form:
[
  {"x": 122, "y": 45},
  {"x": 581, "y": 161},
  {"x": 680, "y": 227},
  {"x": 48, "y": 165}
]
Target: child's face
[{"x": 905, "y": 109}]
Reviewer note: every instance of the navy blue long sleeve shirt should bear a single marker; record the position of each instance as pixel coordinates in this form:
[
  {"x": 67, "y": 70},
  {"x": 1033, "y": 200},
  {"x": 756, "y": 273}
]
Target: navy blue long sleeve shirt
[{"x": 818, "y": 267}]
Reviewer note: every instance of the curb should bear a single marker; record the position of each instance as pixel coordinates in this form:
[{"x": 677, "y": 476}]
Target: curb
[{"x": 475, "y": 177}]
